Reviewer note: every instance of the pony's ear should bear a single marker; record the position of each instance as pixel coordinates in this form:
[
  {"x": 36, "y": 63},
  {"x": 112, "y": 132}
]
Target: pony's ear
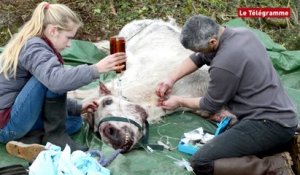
[
  {"x": 103, "y": 90},
  {"x": 139, "y": 110}
]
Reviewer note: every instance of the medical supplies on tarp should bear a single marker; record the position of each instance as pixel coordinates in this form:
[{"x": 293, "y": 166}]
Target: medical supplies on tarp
[
  {"x": 53, "y": 161},
  {"x": 195, "y": 139}
]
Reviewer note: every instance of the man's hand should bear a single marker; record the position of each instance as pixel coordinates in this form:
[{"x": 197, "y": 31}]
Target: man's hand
[
  {"x": 218, "y": 117},
  {"x": 170, "y": 102},
  {"x": 164, "y": 87}
]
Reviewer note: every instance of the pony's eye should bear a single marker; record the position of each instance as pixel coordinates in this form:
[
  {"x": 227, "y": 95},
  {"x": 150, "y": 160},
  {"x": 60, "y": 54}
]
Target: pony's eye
[{"x": 107, "y": 101}]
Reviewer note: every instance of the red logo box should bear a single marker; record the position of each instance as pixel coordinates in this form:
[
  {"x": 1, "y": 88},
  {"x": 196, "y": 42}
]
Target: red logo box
[{"x": 258, "y": 12}]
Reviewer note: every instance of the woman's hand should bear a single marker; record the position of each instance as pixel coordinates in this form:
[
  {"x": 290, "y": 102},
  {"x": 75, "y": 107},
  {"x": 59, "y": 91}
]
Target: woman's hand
[
  {"x": 89, "y": 107},
  {"x": 111, "y": 62}
]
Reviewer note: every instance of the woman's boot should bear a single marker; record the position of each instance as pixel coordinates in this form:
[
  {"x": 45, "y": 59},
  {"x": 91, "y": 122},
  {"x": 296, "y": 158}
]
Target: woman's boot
[{"x": 55, "y": 113}]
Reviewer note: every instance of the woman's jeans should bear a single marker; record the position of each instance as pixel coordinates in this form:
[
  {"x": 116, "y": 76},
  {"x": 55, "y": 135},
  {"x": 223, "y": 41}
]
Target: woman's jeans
[
  {"x": 248, "y": 137},
  {"x": 26, "y": 114}
]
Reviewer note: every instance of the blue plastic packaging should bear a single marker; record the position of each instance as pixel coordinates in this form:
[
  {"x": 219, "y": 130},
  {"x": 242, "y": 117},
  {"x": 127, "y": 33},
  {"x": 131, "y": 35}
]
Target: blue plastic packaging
[
  {"x": 187, "y": 148},
  {"x": 192, "y": 149},
  {"x": 223, "y": 125}
]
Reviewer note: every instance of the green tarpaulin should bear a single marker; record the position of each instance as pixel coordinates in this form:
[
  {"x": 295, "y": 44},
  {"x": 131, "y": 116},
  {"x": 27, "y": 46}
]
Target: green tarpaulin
[{"x": 143, "y": 162}]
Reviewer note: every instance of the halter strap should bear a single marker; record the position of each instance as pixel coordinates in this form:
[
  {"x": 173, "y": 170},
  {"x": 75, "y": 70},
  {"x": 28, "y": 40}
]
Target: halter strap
[{"x": 122, "y": 119}]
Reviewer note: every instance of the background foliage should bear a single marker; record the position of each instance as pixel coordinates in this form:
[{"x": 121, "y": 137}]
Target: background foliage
[{"x": 104, "y": 18}]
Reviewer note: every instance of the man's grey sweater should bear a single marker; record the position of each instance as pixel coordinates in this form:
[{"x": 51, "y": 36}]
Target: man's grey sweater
[{"x": 243, "y": 78}]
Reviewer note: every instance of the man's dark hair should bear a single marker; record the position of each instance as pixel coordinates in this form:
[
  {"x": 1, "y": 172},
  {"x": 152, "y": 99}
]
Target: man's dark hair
[{"x": 197, "y": 31}]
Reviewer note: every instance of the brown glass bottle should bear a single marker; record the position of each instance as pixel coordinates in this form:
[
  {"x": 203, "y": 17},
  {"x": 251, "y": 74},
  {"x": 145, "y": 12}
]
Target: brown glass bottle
[{"x": 117, "y": 44}]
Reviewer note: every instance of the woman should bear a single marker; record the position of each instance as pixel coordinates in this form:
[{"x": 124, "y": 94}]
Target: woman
[{"x": 34, "y": 82}]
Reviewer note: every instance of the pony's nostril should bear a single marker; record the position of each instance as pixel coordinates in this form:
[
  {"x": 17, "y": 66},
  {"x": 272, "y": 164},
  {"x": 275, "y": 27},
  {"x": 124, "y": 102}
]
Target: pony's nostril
[{"x": 111, "y": 131}]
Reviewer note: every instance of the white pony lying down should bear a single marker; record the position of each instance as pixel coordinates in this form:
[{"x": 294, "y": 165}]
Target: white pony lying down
[{"x": 153, "y": 51}]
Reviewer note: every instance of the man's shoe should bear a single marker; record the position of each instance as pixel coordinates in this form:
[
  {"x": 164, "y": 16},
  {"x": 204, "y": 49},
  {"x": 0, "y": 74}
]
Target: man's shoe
[
  {"x": 295, "y": 153},
  {"x": 278, "y": 164},
  {"x": 25, "y": 151},
  {"x": 288, "y": 162}
]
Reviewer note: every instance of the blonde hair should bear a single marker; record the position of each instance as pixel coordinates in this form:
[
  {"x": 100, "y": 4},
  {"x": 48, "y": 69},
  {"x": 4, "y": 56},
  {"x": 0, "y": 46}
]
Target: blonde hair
[{"x": 57, "y": 14}]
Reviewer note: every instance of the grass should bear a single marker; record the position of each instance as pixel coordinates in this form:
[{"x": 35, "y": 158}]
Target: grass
[{"x": 105, "y": 18}]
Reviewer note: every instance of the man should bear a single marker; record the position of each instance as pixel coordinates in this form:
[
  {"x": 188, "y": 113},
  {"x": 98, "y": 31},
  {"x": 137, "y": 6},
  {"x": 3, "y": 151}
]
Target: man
[{"x": 244, "y": 80}]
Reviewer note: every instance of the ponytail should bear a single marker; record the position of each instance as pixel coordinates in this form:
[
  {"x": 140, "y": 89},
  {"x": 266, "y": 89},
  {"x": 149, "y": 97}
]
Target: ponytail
[{"x": 44, "y": 14}]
